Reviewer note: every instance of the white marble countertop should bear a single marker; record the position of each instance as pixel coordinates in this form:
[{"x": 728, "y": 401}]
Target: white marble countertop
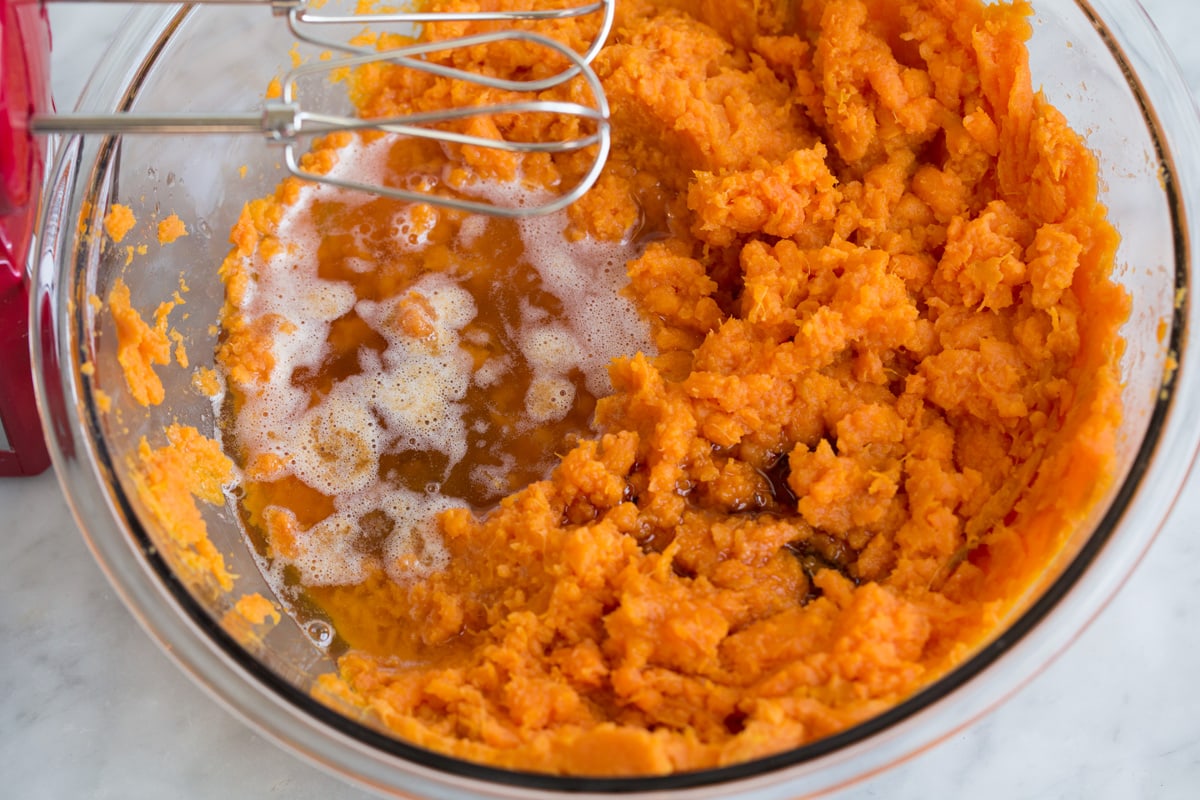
[{"x": 91, "y": 708}]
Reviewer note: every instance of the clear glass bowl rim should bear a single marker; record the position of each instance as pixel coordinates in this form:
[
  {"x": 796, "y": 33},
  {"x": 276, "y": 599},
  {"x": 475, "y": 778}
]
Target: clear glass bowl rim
[{"x": 293, "y": 719}]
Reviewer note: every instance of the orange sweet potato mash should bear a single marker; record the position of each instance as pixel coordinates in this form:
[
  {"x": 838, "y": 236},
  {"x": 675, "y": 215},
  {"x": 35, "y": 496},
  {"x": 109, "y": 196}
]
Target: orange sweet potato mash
[
  {"x": 171, "y": 229},
  {"x": 880, "y": 388},
  {"x": 119, "y": 221}
]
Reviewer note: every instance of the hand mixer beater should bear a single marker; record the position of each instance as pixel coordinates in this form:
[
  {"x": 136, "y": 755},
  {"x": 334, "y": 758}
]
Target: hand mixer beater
[{"x": 284, "y": 121}]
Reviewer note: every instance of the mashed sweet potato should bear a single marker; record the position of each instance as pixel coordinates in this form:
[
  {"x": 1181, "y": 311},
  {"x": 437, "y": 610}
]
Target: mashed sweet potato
[{"x": 876, "y": 388}]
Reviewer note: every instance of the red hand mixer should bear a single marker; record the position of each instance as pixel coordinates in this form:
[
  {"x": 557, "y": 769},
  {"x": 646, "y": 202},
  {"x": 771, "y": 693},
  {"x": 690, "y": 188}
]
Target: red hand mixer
[
  {"x": 25, "y": 104},
  {"x": 24, "y": 91}
]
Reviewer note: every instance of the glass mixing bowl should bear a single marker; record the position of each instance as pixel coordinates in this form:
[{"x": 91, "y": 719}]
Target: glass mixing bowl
[{"x": 1100, "y": 62}]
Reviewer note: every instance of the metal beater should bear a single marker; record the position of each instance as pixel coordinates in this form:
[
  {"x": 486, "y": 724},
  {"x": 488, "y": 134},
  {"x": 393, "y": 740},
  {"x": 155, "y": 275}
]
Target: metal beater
[{"x": 284, "y": 121}]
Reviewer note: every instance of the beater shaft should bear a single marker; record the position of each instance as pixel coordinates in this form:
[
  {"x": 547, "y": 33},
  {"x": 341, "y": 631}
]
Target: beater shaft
[{"x": 283, "y": 122}]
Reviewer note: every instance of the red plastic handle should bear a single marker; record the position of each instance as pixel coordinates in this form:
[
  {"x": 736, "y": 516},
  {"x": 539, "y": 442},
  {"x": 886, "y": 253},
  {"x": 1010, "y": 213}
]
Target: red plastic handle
[{"x": 24, "y": 89}]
